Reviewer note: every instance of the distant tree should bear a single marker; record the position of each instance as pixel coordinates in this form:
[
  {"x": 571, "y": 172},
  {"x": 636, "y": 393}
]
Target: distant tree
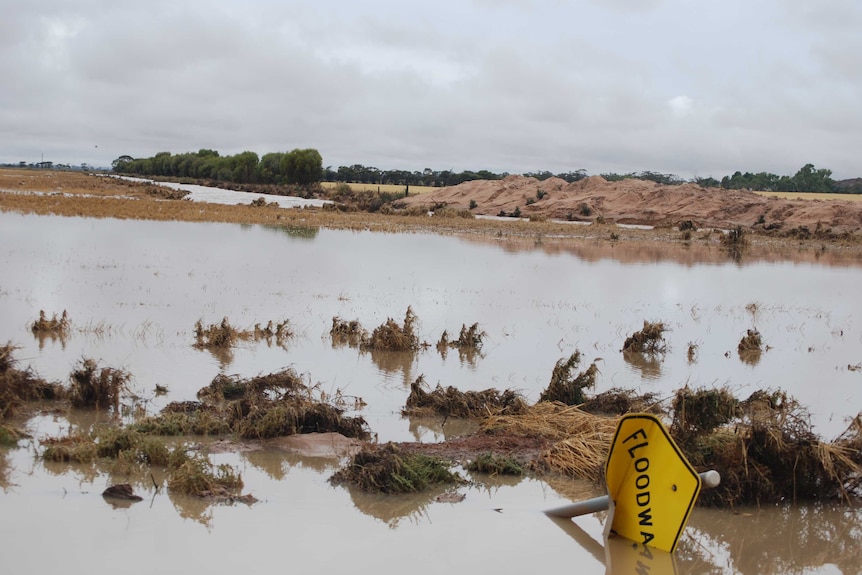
[
  {"x": 303, "y": 167},
  {"x": 807, "y": 179},
  {"x": 121, "y": 164}
]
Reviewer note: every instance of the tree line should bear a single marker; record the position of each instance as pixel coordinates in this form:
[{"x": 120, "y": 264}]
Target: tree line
[
  {"x": 297, "y": 167},
  {"x": 305, "y": 167}
]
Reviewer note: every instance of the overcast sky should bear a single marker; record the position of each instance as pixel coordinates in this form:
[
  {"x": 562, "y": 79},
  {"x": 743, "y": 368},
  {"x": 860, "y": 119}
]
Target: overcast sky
[{"x": 690, "y": 87}]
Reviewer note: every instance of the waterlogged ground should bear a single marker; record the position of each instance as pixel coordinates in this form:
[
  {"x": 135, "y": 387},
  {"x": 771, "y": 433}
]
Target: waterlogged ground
[{"x": 135, "y": 289}]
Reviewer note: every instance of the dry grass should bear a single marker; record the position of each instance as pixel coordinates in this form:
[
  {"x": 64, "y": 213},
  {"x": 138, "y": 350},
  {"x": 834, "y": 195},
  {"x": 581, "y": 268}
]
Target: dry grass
[
  {"x": 450, "y": 402},
  {"x": 393, "y": 337},
  {"x": 811, "y": 196},
  {"x": 21, "y": 386},
  {"x": 649, "y": 340},
  {"x": 198, "y": 476},
  {"x": 765, "y": 449},
  {"x": 270, "y": 406},
  {"x": 382, "y": 188},
  {"x": 581, "y": 439},
  {"x": 97, "y": 387},
  {"x": 55, "y": 327}
]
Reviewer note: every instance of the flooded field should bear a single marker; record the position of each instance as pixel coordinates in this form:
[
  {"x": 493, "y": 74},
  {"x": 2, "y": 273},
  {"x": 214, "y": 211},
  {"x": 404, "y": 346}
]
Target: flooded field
[{"x": 134, "y": 290}]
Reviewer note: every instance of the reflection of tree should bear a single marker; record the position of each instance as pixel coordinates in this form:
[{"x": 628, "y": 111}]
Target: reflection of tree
[
  {"x": 277, "y": 464},
  {"x": 391, "y": 509},
  {"x": 442, "y": 428},
  {"x": 787, "y": 539},
  {"x": 649, "y": 364},
  {"x": 391, "y": 362},
  {"x": 4, "y": 469},
  {"x": 195, "y": 508}
]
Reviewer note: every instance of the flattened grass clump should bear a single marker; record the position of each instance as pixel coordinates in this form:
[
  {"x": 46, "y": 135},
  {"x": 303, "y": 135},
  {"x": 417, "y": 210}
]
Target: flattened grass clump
[
  {"x": 567, "y": 388},
  {"x": 494, "y": 464},
  {"x": 750, "y": 347},
  {"x": 198, "y": 476},
  {"x": 272, "y": 386},
  {"x": 450, "y": 402},
  {"x": 174, "y": 423},
  {"x": 649, "y": 340},
  {"x": 393, "y": 337},
  {"x": 71, "y": 448},
  {"x": 388, "y": 469},
  {"x": 618, "y": 401},
  {"x": 20, "y": 386},
  {"x": 222, "y": 335},
  {"x": 347, "y": 332},
  {"x": 702, "y": 411},
  {"x": 297, "y": 415},
  {"x": 468, "y": 344},
  {"x": 94, "y": 387},
  {"x": 580, "y": 440},
  {"x": 275, "y": 405}
]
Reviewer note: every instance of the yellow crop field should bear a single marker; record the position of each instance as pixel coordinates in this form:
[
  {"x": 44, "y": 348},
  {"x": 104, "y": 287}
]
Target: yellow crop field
[
  {"x": 389, "y": 188},
  {"x": 811, "y": 196}
]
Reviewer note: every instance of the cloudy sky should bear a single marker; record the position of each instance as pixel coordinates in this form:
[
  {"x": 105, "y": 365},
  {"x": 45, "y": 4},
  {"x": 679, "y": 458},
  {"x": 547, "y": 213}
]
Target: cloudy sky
[{"x": 690, "y": 87}]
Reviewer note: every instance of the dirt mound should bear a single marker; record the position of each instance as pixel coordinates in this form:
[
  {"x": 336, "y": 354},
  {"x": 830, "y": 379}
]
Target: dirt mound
[{"x": 634, "y": 201}]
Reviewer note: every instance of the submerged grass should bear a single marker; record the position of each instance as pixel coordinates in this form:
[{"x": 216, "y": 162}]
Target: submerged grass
[
  {"x": 649, "y": 340},
  {"x": 21, "y": 386},
  {"x": 95, "y": 387},
  {"x": 450, "y": 402},
  {"x": 494, "y": 464},
  {"x": 765, "y": 448},
  {"x": 388, "y": 469}
]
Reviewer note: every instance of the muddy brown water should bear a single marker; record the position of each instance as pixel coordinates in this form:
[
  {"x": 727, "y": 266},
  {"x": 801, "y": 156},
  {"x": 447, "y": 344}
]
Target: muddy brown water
[{"x": 134, "y": 291}]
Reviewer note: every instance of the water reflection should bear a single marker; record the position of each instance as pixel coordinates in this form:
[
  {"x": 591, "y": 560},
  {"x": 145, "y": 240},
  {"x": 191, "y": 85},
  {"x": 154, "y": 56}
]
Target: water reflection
[
  {"x": 787, "y": 539},
  {"x": 648, "y": 364},
  {"x": 438, "y": 429},
  {"x": 298, "y": 232},
  {"x": 4, "y": 468},
  {"x": 393, "y": 362},
  {"x": 277, "y": 464},
  {"x": 393, "y": 509}
]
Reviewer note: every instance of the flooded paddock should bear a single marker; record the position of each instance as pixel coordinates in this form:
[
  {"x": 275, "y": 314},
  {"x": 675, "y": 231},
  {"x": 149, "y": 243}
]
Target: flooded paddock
[{"x": 134, "y": 290}]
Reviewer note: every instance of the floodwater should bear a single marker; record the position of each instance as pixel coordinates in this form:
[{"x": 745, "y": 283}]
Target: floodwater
[{"x": 134, "y": 290}]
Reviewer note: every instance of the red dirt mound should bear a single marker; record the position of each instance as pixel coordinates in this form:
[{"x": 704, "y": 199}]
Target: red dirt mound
[{"x": 643, "y": 202}]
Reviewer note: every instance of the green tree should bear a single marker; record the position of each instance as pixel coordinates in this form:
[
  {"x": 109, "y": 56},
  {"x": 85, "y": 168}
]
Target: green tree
[{"x": 303, "y": 167}]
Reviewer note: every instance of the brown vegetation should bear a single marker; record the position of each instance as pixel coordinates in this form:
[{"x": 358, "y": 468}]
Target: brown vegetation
[
  {"x": 97, "y": 387},
  {"x": 649, "y": 340},
  {"x": 388, "y": 469},
  {"x": 566, "y": 387},
  {"x": 450, "y": 402}
]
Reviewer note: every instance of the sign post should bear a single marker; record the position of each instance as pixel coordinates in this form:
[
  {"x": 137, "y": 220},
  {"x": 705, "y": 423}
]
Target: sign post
[{"x": 652, "y": 485}]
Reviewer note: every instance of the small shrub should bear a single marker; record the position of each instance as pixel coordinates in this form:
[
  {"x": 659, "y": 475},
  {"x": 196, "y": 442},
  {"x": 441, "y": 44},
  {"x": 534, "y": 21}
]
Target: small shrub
[
  {"x": 388, "y": 469},
  {"x": 566, "y": 387},
  {"x": 531, "y": 201},
  {"x": 687, "y": 225},
  {"x": 541, "y": 194},
  {"x": 585, "y": 210},
  {"x": 493, "y": 464},
  {"x": 473, "y": 204},
  {"x": 97, "y": 387}
]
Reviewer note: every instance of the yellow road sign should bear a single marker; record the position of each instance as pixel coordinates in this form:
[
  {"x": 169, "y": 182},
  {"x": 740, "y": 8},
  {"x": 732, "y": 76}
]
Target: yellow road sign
[{"x": 651, "y": 484}]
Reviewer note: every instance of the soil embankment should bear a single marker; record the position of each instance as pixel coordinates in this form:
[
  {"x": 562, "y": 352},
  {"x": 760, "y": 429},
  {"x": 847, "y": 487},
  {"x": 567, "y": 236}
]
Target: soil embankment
[{"x": 643, "y": 202}]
